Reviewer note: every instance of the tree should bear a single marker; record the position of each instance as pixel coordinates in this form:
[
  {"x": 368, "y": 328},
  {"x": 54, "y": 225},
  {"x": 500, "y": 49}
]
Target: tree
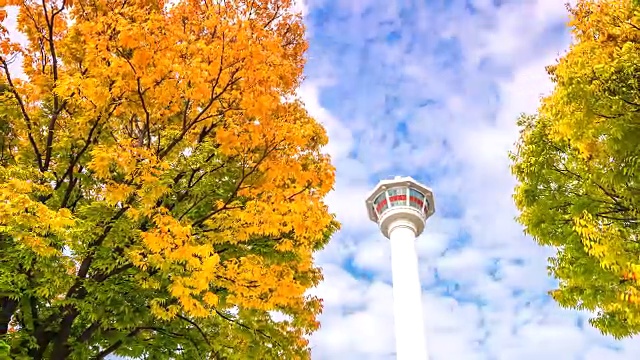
[
  {"x": 578, "y": 170},
  {"x": 161, "y": 189}
]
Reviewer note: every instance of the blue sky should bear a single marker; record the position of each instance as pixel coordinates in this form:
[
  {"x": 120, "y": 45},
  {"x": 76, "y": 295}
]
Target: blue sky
[{"x": 432, "y": 89}]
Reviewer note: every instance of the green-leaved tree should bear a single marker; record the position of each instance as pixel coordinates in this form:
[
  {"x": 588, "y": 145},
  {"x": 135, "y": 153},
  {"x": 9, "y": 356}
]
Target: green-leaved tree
[{"x": 578, "y": 167}]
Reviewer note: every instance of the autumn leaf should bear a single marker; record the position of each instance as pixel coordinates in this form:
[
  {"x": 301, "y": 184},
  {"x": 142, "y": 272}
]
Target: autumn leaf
[{"x": 157, "y": 194}]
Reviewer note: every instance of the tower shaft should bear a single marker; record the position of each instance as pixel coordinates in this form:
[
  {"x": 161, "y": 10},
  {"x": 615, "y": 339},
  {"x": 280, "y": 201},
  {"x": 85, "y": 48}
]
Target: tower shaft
[
  {"x": 401, "y": 207},
  {"x": 407, "y": 298}
]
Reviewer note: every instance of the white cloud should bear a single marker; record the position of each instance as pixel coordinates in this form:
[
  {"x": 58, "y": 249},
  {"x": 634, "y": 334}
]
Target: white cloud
[
  {"x": 356, "y": 320},
  {"x": 301, "y": 6}
]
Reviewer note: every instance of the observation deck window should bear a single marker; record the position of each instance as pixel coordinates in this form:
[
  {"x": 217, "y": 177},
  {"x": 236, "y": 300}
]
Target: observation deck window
[
  {"x": 397, "y": 196},
  {"x": 380, "y": 203},
  {"x": 416, "y": 199}
]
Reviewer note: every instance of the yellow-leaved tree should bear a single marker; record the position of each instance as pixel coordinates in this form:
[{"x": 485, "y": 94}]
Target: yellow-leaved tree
[
  {"x": 161, "y": 191},
  {"x": 578, "y": 167}
]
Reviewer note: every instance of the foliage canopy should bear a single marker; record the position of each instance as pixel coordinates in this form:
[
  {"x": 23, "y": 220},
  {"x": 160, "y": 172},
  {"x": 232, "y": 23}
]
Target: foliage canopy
[
  {"x": 578, "y": 167},
  {"x": 161, "y": 194}
]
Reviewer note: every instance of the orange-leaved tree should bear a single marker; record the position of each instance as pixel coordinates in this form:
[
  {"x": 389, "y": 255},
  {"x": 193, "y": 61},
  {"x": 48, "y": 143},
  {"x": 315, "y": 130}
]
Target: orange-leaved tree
[{"x": 161, "y": 190}]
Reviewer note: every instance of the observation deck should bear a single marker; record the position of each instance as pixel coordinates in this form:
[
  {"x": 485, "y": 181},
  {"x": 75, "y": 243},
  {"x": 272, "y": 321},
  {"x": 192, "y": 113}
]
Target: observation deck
[{"x": 402, "y": 198}]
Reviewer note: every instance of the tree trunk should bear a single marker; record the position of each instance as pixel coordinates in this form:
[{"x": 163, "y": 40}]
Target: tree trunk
[{"x": 8, "y": 307}]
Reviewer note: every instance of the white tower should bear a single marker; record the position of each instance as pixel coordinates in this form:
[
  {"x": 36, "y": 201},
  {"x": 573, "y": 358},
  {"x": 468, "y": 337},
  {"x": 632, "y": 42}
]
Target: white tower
[{"x": 400, "y": 207}]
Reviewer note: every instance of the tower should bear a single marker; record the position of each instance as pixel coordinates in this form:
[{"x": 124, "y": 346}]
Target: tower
[{"x": 400, "y": 207}]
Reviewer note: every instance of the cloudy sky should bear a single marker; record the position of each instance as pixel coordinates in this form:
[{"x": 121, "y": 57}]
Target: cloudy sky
[{"x": 432, "y": 89}]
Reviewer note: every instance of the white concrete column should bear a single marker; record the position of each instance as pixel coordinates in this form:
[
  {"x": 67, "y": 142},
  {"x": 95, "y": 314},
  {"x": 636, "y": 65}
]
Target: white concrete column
[{"x": 407, "y": 294}]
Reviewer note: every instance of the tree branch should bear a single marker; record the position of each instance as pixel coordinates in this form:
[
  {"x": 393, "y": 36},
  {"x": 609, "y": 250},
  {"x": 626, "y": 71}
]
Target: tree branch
[
  {"x": 247, "y": 327},
  {"x": 243, "y": 177},
  {"x": 25, "y": 115},
  {"x": 104, "y": 353},
  {"x": 57, "y": 106},
  {"x": 202, "y": 333}
]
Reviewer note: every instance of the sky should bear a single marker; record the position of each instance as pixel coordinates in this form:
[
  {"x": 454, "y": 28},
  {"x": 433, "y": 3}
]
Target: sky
[{"x": 432, "y": 89}]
